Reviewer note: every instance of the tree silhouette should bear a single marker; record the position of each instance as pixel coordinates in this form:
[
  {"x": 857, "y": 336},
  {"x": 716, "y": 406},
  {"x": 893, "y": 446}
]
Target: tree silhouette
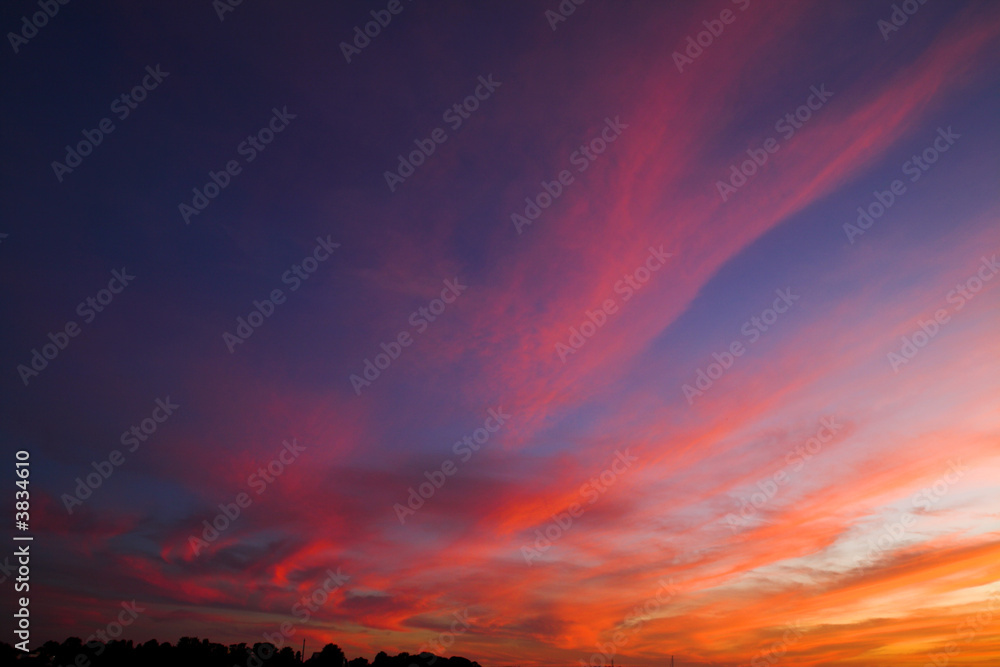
[
  {"x": 330, "y": 656},
  {"x": 194, "y": 652}
]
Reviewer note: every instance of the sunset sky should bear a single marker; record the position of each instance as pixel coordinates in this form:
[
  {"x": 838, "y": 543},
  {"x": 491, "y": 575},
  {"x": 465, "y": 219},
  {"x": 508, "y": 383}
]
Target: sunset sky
[{"x": 666, "y": 348}]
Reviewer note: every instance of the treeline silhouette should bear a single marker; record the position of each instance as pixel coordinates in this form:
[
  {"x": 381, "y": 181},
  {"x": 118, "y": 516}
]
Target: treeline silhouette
[{"x": 194, "y": 652}]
